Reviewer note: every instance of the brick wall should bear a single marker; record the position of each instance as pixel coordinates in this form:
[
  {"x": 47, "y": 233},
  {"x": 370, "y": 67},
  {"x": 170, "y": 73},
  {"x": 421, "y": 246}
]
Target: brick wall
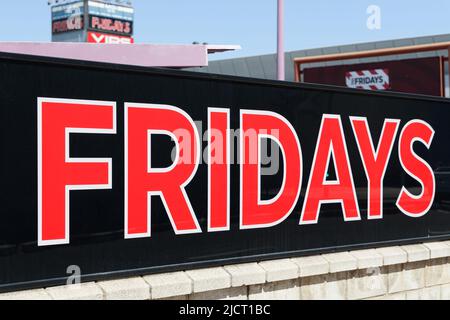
[{"x": 420, "y": 271}]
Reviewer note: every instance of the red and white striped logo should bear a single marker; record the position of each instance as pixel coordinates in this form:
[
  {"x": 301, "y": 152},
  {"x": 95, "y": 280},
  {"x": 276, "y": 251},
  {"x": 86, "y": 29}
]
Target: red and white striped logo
[{"x": 377, "y": 79}]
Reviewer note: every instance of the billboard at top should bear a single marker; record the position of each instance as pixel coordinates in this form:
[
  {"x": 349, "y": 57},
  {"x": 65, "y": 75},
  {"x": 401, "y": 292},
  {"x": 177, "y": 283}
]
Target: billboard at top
[
  {"x": 141, "y": 170},
  {"x": 68, "y": 17},
  {"x": 110, "y": 18}
]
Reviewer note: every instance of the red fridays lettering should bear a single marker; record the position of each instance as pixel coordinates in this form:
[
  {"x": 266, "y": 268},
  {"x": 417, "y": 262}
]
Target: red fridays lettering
[{"x": 58, "y": 173}]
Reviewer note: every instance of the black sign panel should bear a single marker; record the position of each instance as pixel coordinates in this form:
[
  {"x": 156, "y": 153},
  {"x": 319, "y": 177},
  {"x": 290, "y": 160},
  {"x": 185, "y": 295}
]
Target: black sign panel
[
  {"x": 111, "y": 25},
  {"x": 79, "y": 164}
]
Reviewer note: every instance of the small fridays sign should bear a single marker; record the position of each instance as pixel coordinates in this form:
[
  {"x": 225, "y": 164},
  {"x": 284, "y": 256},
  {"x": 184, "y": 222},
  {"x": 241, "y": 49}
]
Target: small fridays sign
[{"x": 377, "y": 79}]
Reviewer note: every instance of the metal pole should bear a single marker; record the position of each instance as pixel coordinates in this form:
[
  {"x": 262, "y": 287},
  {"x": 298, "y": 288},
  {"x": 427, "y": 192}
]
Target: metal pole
[{"x": 280, "y": 42}]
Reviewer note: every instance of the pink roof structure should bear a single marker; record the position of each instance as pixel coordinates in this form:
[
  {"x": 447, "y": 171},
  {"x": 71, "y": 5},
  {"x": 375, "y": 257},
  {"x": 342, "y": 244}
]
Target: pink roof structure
[{"x": 147, "y": 55}]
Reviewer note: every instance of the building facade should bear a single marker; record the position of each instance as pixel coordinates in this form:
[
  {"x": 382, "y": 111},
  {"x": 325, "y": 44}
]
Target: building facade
[{"x": 265, "y": 66}]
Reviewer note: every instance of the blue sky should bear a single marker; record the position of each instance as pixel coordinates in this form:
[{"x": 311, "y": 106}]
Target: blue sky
[{"x": 250, "y": 23}]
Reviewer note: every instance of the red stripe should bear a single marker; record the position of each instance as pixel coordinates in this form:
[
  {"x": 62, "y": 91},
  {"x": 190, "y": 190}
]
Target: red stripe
[{"x": 373, "y": 87}]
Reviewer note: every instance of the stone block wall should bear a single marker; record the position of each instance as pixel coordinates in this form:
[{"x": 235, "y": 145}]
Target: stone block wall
[{"x": 420, "y": 271}]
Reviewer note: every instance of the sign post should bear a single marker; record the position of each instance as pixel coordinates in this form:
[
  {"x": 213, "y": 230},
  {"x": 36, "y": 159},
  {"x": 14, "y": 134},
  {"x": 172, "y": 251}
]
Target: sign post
[
  {"x": 78, "y": 21},
  {"x": 280, "y": 41}
]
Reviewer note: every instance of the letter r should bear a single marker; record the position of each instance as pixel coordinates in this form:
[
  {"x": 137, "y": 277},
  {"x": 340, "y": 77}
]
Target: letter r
[{"x": 142, "y": 181}]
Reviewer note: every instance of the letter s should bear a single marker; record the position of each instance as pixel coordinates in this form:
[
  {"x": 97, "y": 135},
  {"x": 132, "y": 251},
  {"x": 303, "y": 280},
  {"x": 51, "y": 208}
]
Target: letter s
[{"x": 410, "y": 204}]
